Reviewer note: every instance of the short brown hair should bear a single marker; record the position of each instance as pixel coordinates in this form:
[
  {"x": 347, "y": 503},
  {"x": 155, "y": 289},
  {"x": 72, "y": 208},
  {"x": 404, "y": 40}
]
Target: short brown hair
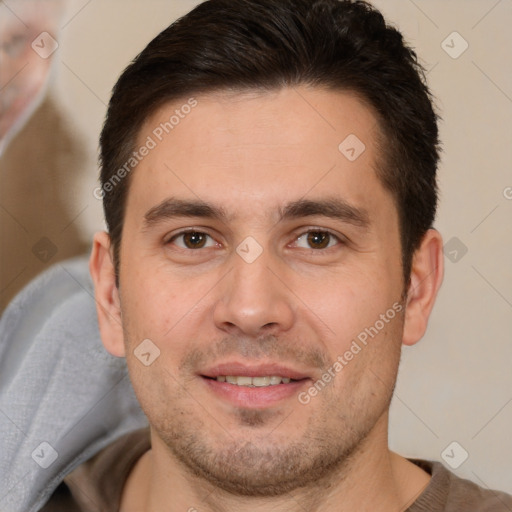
[{"x": 270, "y": 44}]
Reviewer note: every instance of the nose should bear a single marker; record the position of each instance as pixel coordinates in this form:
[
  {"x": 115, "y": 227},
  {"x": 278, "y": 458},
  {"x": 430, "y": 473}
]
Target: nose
[{"x": 254, "y": 300}]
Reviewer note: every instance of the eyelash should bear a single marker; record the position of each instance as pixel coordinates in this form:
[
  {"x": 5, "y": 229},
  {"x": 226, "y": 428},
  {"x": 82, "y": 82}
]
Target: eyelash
[
  {"x": 184, "y": 232},
  {"x": 339, "y": 239}
]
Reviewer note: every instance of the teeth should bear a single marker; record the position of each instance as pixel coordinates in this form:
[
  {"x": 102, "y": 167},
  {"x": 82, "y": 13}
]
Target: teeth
[
  {"x": 252, "y": 382},
  {"x": 261, "y": 381},
  {"x": 244, "y": 381}
]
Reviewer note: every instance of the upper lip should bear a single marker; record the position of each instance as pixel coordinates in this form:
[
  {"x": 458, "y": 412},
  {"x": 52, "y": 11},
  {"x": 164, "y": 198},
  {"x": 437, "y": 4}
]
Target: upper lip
[{"x": 260, "y": 370}]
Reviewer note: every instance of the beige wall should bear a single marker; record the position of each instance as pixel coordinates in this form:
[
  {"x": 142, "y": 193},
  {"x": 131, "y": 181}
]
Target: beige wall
[{"x": 456, "y": 384}]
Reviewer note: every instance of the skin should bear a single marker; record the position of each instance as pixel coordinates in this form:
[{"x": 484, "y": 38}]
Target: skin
[{"x": 297, "y": 304}]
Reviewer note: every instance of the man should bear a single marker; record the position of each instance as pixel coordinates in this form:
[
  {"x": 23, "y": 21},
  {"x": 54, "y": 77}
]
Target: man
[{"x": 269, "y": 183}]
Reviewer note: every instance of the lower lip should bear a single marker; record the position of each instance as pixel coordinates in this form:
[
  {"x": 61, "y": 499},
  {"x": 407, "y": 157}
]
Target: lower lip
[{"x": 255, "y": 397}]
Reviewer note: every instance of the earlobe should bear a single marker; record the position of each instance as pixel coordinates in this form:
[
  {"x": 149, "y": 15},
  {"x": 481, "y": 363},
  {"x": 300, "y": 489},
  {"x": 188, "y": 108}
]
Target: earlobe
[
  {"x": 426, "y": 279},
  {"x": 106, "y": 294}
]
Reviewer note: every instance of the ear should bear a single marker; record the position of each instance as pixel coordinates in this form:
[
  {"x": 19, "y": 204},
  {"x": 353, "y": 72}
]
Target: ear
[
  {"x": 426, "y": 278},
  {"x": 108, "y": 305}
]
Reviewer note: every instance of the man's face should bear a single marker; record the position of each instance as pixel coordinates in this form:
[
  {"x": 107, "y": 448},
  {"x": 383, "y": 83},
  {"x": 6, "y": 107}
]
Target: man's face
[{"x": 321, "y": 266}]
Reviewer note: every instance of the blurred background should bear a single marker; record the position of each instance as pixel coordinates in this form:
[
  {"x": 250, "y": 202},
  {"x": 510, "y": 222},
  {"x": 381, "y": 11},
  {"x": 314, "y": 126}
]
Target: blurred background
[{"x": 58, "y": 63}]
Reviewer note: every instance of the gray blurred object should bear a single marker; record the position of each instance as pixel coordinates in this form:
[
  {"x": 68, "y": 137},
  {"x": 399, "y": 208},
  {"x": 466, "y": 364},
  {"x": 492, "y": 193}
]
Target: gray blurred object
[{"x": 62, "y": 396}]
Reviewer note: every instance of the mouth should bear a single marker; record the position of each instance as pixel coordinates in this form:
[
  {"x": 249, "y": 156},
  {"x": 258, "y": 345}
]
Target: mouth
[
  {"x": 253, "y": 386},
  {"x": 261, "y": 381}
]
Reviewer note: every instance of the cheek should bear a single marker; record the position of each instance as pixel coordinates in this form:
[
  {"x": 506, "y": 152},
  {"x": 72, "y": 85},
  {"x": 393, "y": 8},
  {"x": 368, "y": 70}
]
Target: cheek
[
  {"x": 163, "y": 306},
  {"x": 150, "y": 299},
  {"x": 351, "y": 301},
  {"x": 157, "y": 391},
  {"x": 365, "y": 361}
]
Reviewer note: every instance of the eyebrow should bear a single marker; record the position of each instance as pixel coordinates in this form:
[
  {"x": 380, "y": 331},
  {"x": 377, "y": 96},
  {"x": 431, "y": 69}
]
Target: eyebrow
[
  {"x": 172, "y": 207},
  {"x": 334, "y": 208}
]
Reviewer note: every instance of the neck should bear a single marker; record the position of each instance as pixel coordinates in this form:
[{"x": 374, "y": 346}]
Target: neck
[{"x": 372, "y": 478}]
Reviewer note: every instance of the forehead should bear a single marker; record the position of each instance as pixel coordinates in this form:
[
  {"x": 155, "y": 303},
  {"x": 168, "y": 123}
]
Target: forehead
[{"x": 257, "y": 148}]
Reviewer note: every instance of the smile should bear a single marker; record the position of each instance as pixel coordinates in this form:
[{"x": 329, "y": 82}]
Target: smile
[{"x": 244, "y": 380}]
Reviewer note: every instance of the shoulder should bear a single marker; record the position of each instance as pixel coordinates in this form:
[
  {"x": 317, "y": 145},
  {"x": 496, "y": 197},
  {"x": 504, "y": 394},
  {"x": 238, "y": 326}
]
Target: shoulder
[{"x": 447, "y": 492}]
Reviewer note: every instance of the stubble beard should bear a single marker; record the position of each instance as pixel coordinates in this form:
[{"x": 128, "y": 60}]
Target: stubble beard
[
  {"x": 261, "y": 458},
  {"x": 266, "y": 467}
]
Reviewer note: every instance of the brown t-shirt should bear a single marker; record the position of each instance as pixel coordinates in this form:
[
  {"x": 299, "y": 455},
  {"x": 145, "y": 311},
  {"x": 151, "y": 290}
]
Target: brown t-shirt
[{"x": 97, "y": 485}]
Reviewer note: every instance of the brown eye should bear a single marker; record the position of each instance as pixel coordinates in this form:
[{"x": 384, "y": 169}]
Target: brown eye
[
  {"x": 192, "y": 240},
  {"x": 318, "y": 239}
]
